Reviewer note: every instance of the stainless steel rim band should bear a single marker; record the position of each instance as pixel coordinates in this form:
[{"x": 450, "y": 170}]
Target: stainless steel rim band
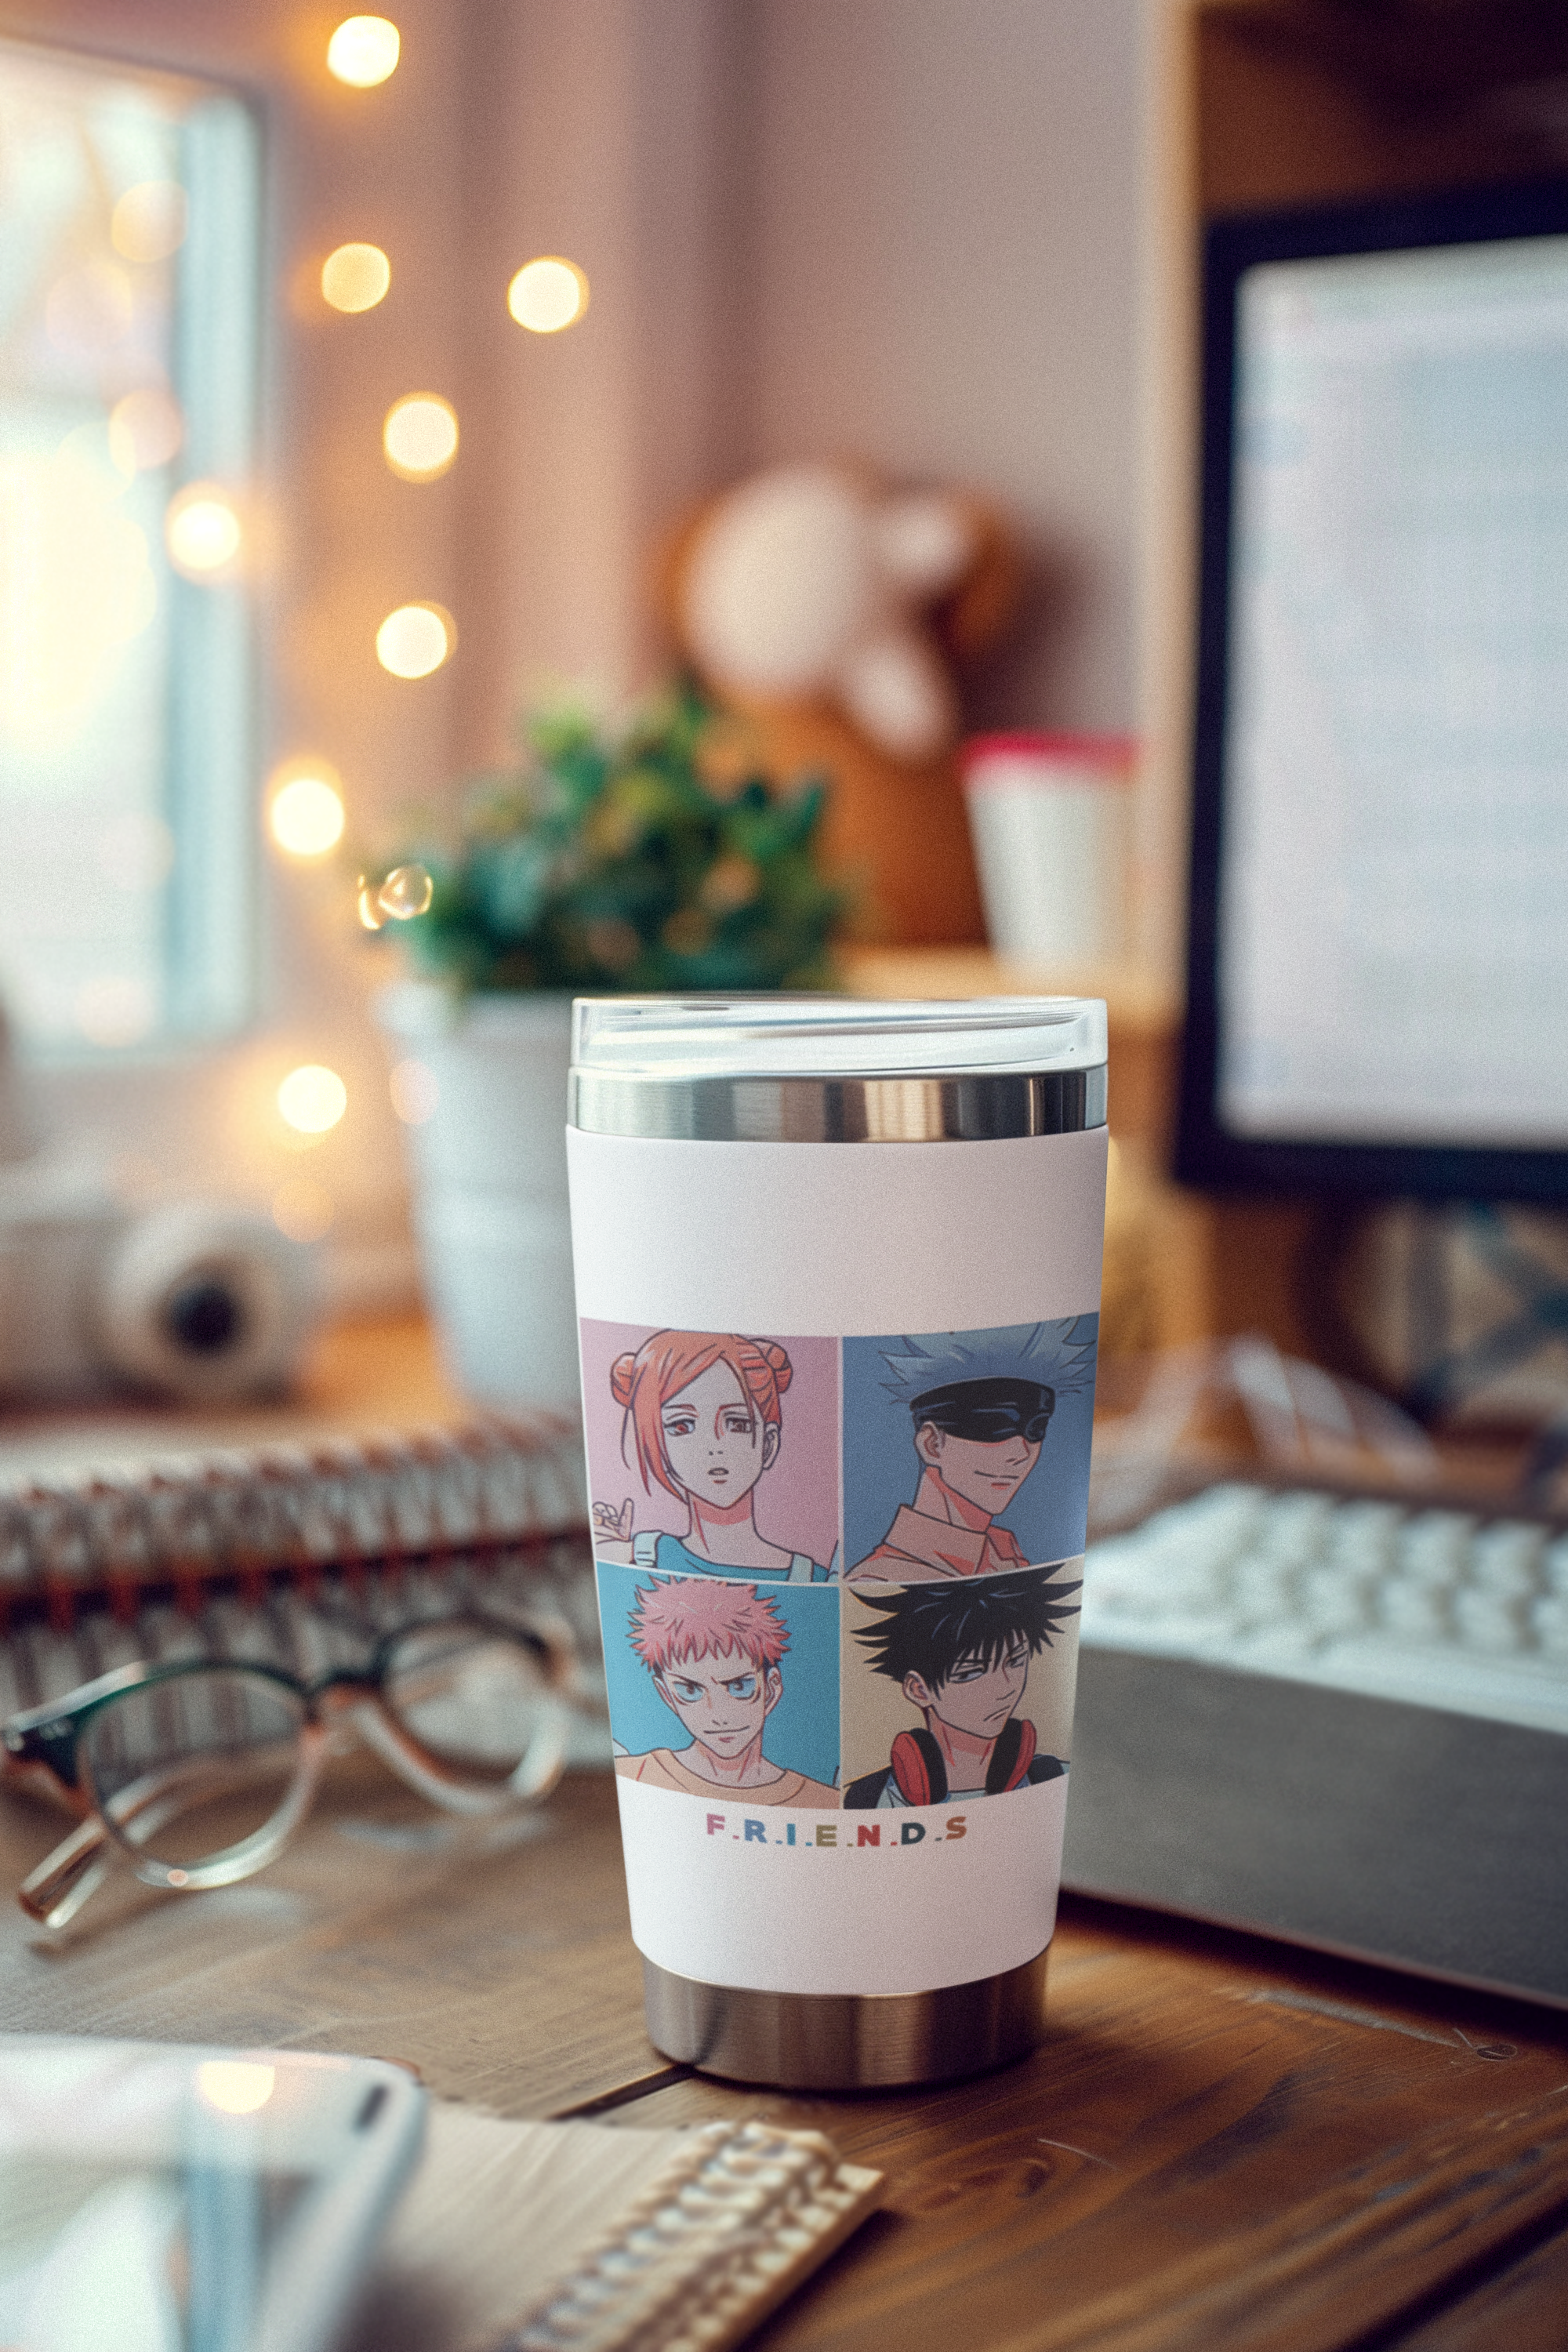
[
  {"x": 847, "y": 2042},
  {"x": 983, "y": 1107}
]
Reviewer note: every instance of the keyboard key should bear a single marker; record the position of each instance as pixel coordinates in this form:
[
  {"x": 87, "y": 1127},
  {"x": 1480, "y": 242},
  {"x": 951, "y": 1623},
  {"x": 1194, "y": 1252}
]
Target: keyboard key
[{"x": 1435, "y": 1607}]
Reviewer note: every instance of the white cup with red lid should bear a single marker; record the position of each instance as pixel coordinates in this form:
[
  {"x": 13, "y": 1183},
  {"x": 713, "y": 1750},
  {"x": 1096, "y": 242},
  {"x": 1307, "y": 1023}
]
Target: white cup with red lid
[{"x": 1051, "y": 819}]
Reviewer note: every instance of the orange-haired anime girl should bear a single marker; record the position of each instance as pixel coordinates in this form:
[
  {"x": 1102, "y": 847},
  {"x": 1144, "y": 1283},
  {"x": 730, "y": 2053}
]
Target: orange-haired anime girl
[{"x": 703, "y": 1415}]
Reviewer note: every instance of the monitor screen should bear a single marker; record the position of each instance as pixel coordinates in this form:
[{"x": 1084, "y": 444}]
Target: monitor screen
[{"x": 1379, "y": 927}]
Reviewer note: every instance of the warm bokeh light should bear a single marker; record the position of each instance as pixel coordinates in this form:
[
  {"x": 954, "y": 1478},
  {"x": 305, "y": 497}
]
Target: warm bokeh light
[
  {"x": 420, "y": 436},
  {"x": 355, "y": 277},
  {"x": 547, "y": 294},
  {"x": 406, "y": 892},
  {"x": 415, "y": 1091},
  {"x": 145, "y": 430},
  {"x": 235, "y": 2086},
  {"x": 414, "y": 640},
  {"x": 364, "y": 51},
  {"x": 201, "y": 529},
  {"x": 305, "y": 814},
  {"x": 149, "y": 222},
  {"x": 312, "y": 1099},
  {"x": 303, "y": 1209}
]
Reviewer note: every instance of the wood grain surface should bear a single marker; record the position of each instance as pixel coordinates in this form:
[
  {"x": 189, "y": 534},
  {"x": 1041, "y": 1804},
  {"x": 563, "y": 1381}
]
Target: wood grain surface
[
  {"x": 1222, "y": 2143},
  {"x": 503, "y": 1971},
  {"x": 1522, "y": 2306}
]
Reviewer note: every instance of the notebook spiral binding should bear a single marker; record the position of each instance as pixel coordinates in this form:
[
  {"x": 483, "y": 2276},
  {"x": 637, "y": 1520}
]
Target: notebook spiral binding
[
  {"x": 708, "y": 2249},
  {"x": 289, "y": 1510},
  {"x": 297, "y": 1554}
]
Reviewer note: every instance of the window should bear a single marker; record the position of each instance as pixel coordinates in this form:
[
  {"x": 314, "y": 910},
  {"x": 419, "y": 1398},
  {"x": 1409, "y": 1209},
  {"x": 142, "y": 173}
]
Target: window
[{"x": 129, "y": 303}]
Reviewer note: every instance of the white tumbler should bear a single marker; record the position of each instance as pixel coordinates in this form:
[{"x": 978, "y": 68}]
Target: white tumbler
[{"x": 838, "y": 1270}]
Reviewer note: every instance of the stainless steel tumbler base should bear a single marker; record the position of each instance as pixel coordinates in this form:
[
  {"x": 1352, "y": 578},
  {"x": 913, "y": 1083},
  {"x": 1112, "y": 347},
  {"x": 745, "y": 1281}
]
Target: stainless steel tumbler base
[{"x": 847, "y": 2042}]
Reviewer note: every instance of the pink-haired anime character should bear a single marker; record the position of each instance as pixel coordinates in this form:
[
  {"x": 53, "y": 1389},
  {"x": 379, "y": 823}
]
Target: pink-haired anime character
[
  {"x": 704, "y": 1419},
  {"x": 713, "y": 1648}
]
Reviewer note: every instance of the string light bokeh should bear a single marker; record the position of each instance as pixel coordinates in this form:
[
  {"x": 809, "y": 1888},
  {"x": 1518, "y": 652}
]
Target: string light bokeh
[
  {"x": 202, "y": 531},
  {"x": 547, "y": 294},
  {"x": 355, "y": 277},
  {"x": 305, "y": 812},
  {"x": 312, "y": 1100},
  {"x": 364, "y": 51},
  {"x": 414, "y": 640},
  {"x": 419, "y": 437}
]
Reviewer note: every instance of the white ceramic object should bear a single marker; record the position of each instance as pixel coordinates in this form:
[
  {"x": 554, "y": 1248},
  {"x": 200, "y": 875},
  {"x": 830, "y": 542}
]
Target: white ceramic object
[
  {"x": 1051, "y": 816},
  {"x": 206, "y": 1301},
  {"x": 200, "y": 1301},
  {"x": 486, "y": 1084}
]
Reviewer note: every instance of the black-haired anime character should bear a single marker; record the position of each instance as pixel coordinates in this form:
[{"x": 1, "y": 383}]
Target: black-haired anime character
[
  {"x": 962, "y": 1658},
  {"x": 980, "y": 1405}
]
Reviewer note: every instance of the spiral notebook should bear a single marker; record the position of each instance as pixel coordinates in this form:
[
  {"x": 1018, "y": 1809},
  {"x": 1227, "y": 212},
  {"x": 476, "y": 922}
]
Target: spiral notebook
[
  {"x": 287, "y": 1552},
  {"x": 576, "y": 2238}
]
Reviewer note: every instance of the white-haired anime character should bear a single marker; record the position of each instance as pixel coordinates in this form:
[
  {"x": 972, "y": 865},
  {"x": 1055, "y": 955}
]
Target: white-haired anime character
[{"x": 981, "y": 1404}]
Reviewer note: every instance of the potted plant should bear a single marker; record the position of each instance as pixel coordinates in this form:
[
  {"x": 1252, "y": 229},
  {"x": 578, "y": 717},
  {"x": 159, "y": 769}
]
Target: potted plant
[{"x": 643, "y": 859}]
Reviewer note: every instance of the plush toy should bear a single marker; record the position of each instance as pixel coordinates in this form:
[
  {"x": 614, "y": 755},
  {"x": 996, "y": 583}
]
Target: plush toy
[{"x": 827, "y": 610}]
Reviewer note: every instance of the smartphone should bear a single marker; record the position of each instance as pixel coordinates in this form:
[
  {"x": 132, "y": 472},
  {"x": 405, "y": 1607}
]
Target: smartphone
[{"x": 157, "y": 2199}]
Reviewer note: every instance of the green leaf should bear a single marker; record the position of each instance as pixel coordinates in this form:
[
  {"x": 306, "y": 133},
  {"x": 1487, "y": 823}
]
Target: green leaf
[{"x": 584, "y": 867}]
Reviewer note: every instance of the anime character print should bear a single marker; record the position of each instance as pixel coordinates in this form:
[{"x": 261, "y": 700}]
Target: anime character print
[
  {"x": 703, "y": 1420},
  {"x": 980, "y": 1406},
  {"x": 960, "y": 1655},
  {"x": 714, "y": 1649}
]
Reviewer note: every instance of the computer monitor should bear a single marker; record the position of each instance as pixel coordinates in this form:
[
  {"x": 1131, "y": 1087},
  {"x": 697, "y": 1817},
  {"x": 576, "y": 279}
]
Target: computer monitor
[{"x": 1378, "y": 931}]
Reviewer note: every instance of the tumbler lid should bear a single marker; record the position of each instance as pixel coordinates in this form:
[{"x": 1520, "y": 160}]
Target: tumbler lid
[
  {"x": 834, "y": 1037},
  {"x": 836, "y": 1069}
]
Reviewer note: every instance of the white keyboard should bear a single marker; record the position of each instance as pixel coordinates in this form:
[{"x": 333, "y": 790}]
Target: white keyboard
[{"x": 1433, "y": 1606}]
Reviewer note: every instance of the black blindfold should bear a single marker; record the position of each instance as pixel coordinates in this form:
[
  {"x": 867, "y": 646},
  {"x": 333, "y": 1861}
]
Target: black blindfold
[{"x": 987, "y": 1411}]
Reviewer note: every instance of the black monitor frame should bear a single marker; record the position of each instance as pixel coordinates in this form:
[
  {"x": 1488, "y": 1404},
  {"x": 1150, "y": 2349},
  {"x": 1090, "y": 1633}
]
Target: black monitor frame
[{"x": 1208, "y": 1154}]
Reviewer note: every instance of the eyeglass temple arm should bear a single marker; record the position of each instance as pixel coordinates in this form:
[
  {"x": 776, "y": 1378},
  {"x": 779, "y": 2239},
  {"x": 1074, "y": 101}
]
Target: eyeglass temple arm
[{"x": 55, "y": 1891}]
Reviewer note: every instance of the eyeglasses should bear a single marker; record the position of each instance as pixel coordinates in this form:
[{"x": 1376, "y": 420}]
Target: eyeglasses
[{"x": 198, "y": 1772}]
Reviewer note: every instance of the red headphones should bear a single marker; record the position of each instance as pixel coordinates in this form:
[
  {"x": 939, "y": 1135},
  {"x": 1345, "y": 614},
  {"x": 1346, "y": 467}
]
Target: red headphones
[{"x": 920, "y": 1773}]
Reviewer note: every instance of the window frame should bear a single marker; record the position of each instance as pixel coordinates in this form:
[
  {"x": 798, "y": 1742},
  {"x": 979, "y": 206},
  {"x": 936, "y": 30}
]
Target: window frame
[{"x": 207, "y": 649}]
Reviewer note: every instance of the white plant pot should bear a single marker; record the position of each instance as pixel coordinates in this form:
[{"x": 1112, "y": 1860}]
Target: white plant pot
[{"x": 488, "y": 1166}]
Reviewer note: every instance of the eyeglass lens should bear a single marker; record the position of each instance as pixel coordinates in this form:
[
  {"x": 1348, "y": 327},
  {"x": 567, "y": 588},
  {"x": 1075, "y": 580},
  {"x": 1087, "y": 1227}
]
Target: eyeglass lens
[
  {"x": 469, "y": 1694},
  {"x": 190, "y": 1767}
]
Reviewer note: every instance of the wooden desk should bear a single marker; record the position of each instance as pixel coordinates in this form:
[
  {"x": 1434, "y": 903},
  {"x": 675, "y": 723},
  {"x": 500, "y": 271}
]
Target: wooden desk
[{"x": 1222, "y": 2143}]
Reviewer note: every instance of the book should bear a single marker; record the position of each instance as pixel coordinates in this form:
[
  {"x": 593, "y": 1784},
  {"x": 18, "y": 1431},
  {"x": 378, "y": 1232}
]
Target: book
[{"x": 537, "y": 2237}]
